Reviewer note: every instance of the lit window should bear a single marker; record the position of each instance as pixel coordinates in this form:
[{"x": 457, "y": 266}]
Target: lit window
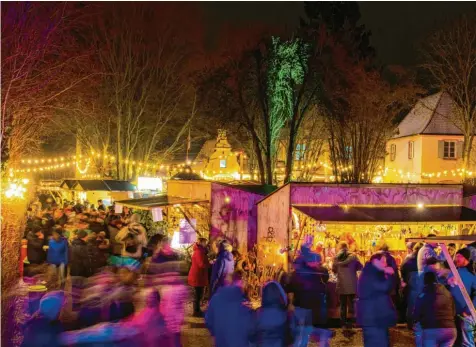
[
  {"x": 411, "y": 149},
  {"x": 222, "y": 163},
  {"x": 348, "y": 152},
  {"x": 449, "y": 150},
  {"x": 393, "y": 152},
  {"x": 300, "y": 151}
]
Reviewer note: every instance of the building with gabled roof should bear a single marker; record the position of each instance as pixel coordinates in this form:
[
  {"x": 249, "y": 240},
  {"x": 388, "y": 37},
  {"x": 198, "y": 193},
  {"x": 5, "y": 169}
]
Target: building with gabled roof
[{"x": 428, "y": 145}]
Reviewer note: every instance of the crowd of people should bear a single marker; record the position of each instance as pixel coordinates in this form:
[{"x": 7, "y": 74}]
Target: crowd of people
[{"x": 131, "y": 290}]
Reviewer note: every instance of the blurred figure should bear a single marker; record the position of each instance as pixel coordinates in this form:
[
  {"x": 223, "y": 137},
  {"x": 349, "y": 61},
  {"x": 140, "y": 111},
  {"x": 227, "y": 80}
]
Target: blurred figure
[
  {"x": 81, "y": 266},
  {"x": 198, "y": 275},
  {"x": 133, "y": 238},
  {"x": 426, "y": 252},
  {"x": 435, "y": 311},
  {"x": 35, "y": 252},
  {"x": 464, "y": 320},
  {"x": 44, "y": 328},
  {"x": 409, "y": 270},
  {"x": 452, "y": 251},
  {"x": 58, "y": 255},
  {"x": 346, "y": 265},
  {"x": 113, "y": 227},
  {"x": 308, "y": 286},
  {"x": 375, "y": 310},
  {"x": 223, "y": 267},
  {"x": 391, "y": 262},
  {"x": 228, "y": 318},
  {"x": 101, "y": 206},
  {"x": 275, "y": 327}
]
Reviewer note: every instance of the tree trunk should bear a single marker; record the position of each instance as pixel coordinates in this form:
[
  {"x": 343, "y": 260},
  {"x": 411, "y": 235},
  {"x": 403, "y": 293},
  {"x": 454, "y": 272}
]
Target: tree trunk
[
  {"x": 259, "y": 158},
  {"x": 290, "y": 151}
]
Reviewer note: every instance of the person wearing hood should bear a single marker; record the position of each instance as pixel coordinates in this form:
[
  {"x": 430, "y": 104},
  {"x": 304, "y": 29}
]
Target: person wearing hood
[
  {"x": 346, "y": 265},
  {"x": 426, "y": 252},
  {"x": 198, "y": 274},
  {"x": 275, "y": 326},
  {"x": 228, "y": 318},
  {"x": 435, "y": 311},
  {"x": 464, "y": 319},
  {"x": 223, "y": 267},
  {"x": 308, "y": 287},
  {"x": 133, "y": 238},
  {"x": 375, "y": 310},
  {"x": 58, "y": 255},
  {"x": 81, "y": 266},
  {"x": 44, "y": 328},
  {"x": 409, "y": 270},
  {"x": 35, "y": 252}
]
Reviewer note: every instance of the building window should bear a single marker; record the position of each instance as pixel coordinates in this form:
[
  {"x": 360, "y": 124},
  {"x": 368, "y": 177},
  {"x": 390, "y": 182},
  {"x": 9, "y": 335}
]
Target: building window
[
  {"x": 393, "y": 152},
  {"x": 348, "y": 152},
  {"x": 222, "y": 163},
  {"x": 300, "y": 151},
  {"x": 449, "y": 150},
  {"x": 411, "y": 149}
]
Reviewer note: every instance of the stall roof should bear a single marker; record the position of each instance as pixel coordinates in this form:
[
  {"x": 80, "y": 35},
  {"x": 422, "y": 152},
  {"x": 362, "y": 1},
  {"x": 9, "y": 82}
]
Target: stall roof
[
  {"x": 251, "y": 188},
  {"x": 157, "y": 201},
  {"x": 99, "y": 185},
  {"x": 444, "y": 239},
  {"x": 342, "y": 214}
]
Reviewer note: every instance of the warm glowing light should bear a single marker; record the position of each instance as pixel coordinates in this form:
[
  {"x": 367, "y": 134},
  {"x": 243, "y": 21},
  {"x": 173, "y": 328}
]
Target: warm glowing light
[
  {"x": 420, "y": 205},
  {"x": 227, "y": 199}
]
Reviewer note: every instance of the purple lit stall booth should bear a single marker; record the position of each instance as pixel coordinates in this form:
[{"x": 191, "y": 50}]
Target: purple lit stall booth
[
  {"x": 364, "y": 216},
  {"x": 233, "y": 210}
]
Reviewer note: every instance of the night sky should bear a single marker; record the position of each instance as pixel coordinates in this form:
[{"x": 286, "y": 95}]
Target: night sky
[{"x": 397, "y": 27}]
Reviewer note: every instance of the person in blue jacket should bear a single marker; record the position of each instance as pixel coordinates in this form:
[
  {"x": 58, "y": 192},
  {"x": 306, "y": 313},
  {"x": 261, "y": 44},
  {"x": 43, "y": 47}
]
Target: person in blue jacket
[
  {"x": 375, "y": 310},
  {"x": 57, "y": 256},
  {"x": 464, "y": 319},
  {"x": 229, "y": 317},
  {"x": 223, "y": 267}
]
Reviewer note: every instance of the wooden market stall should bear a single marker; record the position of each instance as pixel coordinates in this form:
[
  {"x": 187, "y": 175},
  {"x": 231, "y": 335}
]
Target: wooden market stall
[
  {"x": 364, "y": 216},
  {"x": 182, "y": 219},
  {"x": 233, "y": 211},
  {"x": 94, "y": 190}
]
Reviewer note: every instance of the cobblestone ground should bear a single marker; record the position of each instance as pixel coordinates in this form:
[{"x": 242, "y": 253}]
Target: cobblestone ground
[{"x": 194, "y": 334}]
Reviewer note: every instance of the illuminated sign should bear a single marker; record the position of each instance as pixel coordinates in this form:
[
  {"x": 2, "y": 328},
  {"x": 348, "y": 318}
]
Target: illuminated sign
[{"x": 150, "y": 183}]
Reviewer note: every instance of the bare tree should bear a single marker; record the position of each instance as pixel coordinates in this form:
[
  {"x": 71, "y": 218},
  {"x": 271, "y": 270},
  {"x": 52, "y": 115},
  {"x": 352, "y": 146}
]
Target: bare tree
[
  {"x": 450, "y": 57},
  {"x": 361, "y": 118},
  {"x": 39, "y": 66}
]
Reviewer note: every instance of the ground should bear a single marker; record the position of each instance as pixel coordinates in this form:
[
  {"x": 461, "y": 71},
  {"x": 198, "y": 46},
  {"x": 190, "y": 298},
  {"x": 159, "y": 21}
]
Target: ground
[{"x": 194, "y": 334}]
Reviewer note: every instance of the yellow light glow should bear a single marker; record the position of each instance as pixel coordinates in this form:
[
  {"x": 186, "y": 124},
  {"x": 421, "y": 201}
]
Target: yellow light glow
[{"x": 420, "y": 205}]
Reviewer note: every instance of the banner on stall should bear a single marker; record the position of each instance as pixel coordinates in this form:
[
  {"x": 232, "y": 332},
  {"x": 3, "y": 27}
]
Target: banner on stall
[
  {"x": 157, "y": 215},
  {"x": 187, "y": 234}
]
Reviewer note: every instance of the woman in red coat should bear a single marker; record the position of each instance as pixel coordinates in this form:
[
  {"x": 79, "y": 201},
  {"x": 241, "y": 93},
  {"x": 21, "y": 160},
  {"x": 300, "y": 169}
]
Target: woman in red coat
[{"x": 198, "y": 275}]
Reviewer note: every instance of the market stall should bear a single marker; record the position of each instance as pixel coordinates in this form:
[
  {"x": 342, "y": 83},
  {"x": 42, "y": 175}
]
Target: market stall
[
  {"x": 233, "y": 212},
  {"x": 182, "y": 219},
  {"x": 364, "y": 216}
]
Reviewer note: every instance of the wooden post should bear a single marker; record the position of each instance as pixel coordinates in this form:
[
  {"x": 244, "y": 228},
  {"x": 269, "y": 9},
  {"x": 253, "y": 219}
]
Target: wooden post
[{"x": 459, "y": 282}]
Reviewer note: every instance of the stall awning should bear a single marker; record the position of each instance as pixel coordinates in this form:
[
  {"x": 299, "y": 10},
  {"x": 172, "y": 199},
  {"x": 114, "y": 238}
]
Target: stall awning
[
  {"x": 354, "y": 215},
  {"x": 157, "y": 201},
  {"x": 99, "y": 185}
]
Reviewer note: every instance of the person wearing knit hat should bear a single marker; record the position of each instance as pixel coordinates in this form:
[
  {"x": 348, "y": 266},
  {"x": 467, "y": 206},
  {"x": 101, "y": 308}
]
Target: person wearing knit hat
[
  {"x": 463, "y": 314},
  {"x": 44, "y": 327}
]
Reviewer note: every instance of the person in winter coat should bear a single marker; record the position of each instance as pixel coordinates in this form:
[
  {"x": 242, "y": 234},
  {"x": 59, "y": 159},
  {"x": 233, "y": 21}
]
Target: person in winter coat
[
  {"x": 375, "y": 309},
  {"x": 133, "y": 238},
  {"x": 58, "y": 255},
  {"x": 44, "y": 328},
  {"x": 81, "y": 266},
  {"x": 223, "y": 267},
  {"x": 427, "y": 252},
  {"x": 346, "y": 265},
  {"x": 35, "y": 252},
  {"x": 409, "y": 270},
  {"x": 391, "y": 262},
  {"x": 113, "y": 227},
  {"x": 435, "y": 311},
  {"x": 464, "y": 319},
  {"x": 198, "y": 274},
  {"x": 229, "y": 318},
  {"x": 308, "y": 286},
  {"x": 275, "y": 327}
]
